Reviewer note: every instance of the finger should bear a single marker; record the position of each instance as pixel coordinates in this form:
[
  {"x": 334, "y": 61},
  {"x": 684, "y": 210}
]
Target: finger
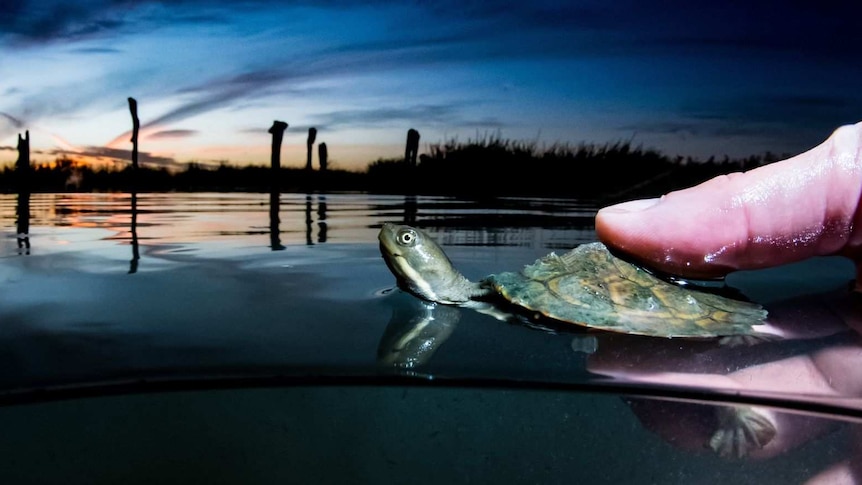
[{"x": 779, "y": 213}]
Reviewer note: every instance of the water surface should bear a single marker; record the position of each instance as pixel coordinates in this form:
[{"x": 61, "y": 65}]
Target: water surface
[{"x": 137, "y": 295}]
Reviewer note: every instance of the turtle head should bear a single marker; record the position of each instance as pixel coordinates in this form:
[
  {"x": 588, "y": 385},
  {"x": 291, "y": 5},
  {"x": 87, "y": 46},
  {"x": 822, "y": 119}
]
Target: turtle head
[{"x": 422, "y": 268}]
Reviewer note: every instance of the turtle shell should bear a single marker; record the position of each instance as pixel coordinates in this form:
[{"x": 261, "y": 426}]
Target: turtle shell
[{"x": 589, "y": 286}]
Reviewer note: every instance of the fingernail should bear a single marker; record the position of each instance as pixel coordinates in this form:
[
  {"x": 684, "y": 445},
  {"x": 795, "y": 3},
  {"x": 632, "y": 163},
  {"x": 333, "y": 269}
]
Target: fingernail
[{"x": 631, "y": 206}]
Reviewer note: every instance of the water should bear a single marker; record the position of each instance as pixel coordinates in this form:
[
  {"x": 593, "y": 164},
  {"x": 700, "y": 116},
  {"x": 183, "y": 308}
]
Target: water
[{"x": 289, "y": 354}]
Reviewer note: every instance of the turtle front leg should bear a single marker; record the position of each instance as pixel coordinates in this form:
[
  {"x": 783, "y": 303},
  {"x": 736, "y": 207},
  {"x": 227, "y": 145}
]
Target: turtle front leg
[{"x": 741, "y": 430}]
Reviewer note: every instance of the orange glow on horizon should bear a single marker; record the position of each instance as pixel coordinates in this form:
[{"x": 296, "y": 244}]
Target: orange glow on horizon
[{"x": 117, "y": 153}]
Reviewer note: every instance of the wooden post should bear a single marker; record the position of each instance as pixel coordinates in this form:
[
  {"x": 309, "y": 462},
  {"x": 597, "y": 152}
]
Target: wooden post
[
  {"x": 22, "y": 210},
  {"x": 312, "y": 135},
  {"x": 411, "y": 150},
  {"x": 22, "y": 165},
  {"x": 277, "y": 130},
  {"x": 136, "y": 126},
  {"x": 323, "y": 155}
]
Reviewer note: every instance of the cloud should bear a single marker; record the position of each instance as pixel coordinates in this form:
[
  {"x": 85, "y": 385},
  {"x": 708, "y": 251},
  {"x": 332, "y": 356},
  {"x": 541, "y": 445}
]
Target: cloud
[
  {"x": 790, "y": 110},
  {"x": 429, "y": 114},
  {"x": 211, "y": 96},
  {"x": 15, "y": 122},
  {"x": 116, "y": 155},
  {"x": 173, "y": 134},
  {"x": 266, "y": 51},
  {"x": 694, "y": 128},
  {"x": 779, "y": 122},
  {"x": 608, "y": 27},
  {"x": 375, "y": 116},
  {"x": 61, "y": 20},
  {"x": 545, "y": 30},
  {"x": 98, "y": 50},
  {"x": 51, "y": 19},
  {"x": 10, "y": 125}
]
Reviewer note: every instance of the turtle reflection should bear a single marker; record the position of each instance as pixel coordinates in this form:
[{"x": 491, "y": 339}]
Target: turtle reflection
[{"x": 416, "y": 330}]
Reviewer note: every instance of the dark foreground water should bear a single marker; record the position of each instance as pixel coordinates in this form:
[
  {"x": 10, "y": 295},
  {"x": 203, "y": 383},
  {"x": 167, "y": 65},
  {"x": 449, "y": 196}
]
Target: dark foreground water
[{"x": 252, "y": 338}]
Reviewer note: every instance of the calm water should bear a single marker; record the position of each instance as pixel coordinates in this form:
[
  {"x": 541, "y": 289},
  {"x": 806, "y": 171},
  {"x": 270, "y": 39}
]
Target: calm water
[{"x": 295, "y": 358}]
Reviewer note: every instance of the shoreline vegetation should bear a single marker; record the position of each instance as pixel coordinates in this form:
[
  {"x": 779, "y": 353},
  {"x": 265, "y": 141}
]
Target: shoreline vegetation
[{"x": 488, "y": 167}]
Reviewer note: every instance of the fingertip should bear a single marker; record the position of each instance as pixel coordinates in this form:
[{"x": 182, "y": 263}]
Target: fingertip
[
  {"x": 620, "y": 225},
  {"x": 629, "y": 207},
  {"x": 663, "y": 234}
]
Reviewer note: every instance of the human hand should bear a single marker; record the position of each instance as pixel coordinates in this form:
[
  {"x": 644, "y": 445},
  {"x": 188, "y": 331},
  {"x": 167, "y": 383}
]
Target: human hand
[{"x": 805, "y": 206}]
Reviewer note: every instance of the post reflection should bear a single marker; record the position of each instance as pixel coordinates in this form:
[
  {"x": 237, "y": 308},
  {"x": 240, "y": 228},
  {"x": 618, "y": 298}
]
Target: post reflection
[
  {"x": 22, "y": 212},
  {"x": 275, "y": 221},
  {"x": 410, "y": 209},
  {"x": 320, "y": 213},
  {"x": 321, "y": 218},
  {"x": 136, "y": 255},
  {"x": 308, "y": 221}
]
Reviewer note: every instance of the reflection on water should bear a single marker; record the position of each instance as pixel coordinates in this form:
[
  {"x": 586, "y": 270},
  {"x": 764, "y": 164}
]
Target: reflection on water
[
  {"x": 270, "y": 287},
  {"x": 302, "y": 218},
  {"x": 22, "y": 214},
  {"x": 821, "y": 346},
  {"x": 133, "y": 230},
  {"x": 275, "y": 222}
]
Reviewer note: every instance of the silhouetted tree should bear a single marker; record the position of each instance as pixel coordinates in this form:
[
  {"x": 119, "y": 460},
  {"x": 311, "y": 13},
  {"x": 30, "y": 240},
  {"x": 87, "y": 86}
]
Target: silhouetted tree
[
  {"x": 323, "y": 155},
  {"x": 411, "y": 150},
  {"x": 312, "y": 135}
]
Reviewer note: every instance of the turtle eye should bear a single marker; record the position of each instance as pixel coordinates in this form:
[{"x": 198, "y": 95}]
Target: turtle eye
[{"x": 406, "y": 237}]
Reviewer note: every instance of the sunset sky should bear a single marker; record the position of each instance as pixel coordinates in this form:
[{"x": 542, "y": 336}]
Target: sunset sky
[{"x": 210, "y": 76}]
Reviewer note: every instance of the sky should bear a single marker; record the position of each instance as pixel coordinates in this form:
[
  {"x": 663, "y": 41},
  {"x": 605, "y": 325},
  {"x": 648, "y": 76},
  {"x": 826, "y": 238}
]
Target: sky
[{"x": 210, "y": 76}]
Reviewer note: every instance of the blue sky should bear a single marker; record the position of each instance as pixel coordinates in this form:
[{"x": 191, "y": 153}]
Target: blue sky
[{"x": 210, "y": 76}]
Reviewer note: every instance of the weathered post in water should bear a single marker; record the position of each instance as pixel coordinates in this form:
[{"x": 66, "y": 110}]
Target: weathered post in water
[
  {"x": 312, "y": 135},
  {"x": 323, "y": 155},
  {"x": 136, "y": 127},
  {"x": 22, "y": 210},
  {"x": 277, "y": 130},
  {"x": 411, "y": 150},
  {"x": 22, "y": 165}
]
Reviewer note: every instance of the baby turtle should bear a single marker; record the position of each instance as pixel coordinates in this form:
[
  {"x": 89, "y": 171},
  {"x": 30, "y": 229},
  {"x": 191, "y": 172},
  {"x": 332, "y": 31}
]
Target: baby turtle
[{"x": 587, "y": 286}]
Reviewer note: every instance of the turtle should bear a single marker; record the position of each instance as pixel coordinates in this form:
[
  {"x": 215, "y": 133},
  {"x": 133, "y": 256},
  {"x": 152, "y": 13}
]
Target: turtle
[{"x": 587, "y": 286}]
